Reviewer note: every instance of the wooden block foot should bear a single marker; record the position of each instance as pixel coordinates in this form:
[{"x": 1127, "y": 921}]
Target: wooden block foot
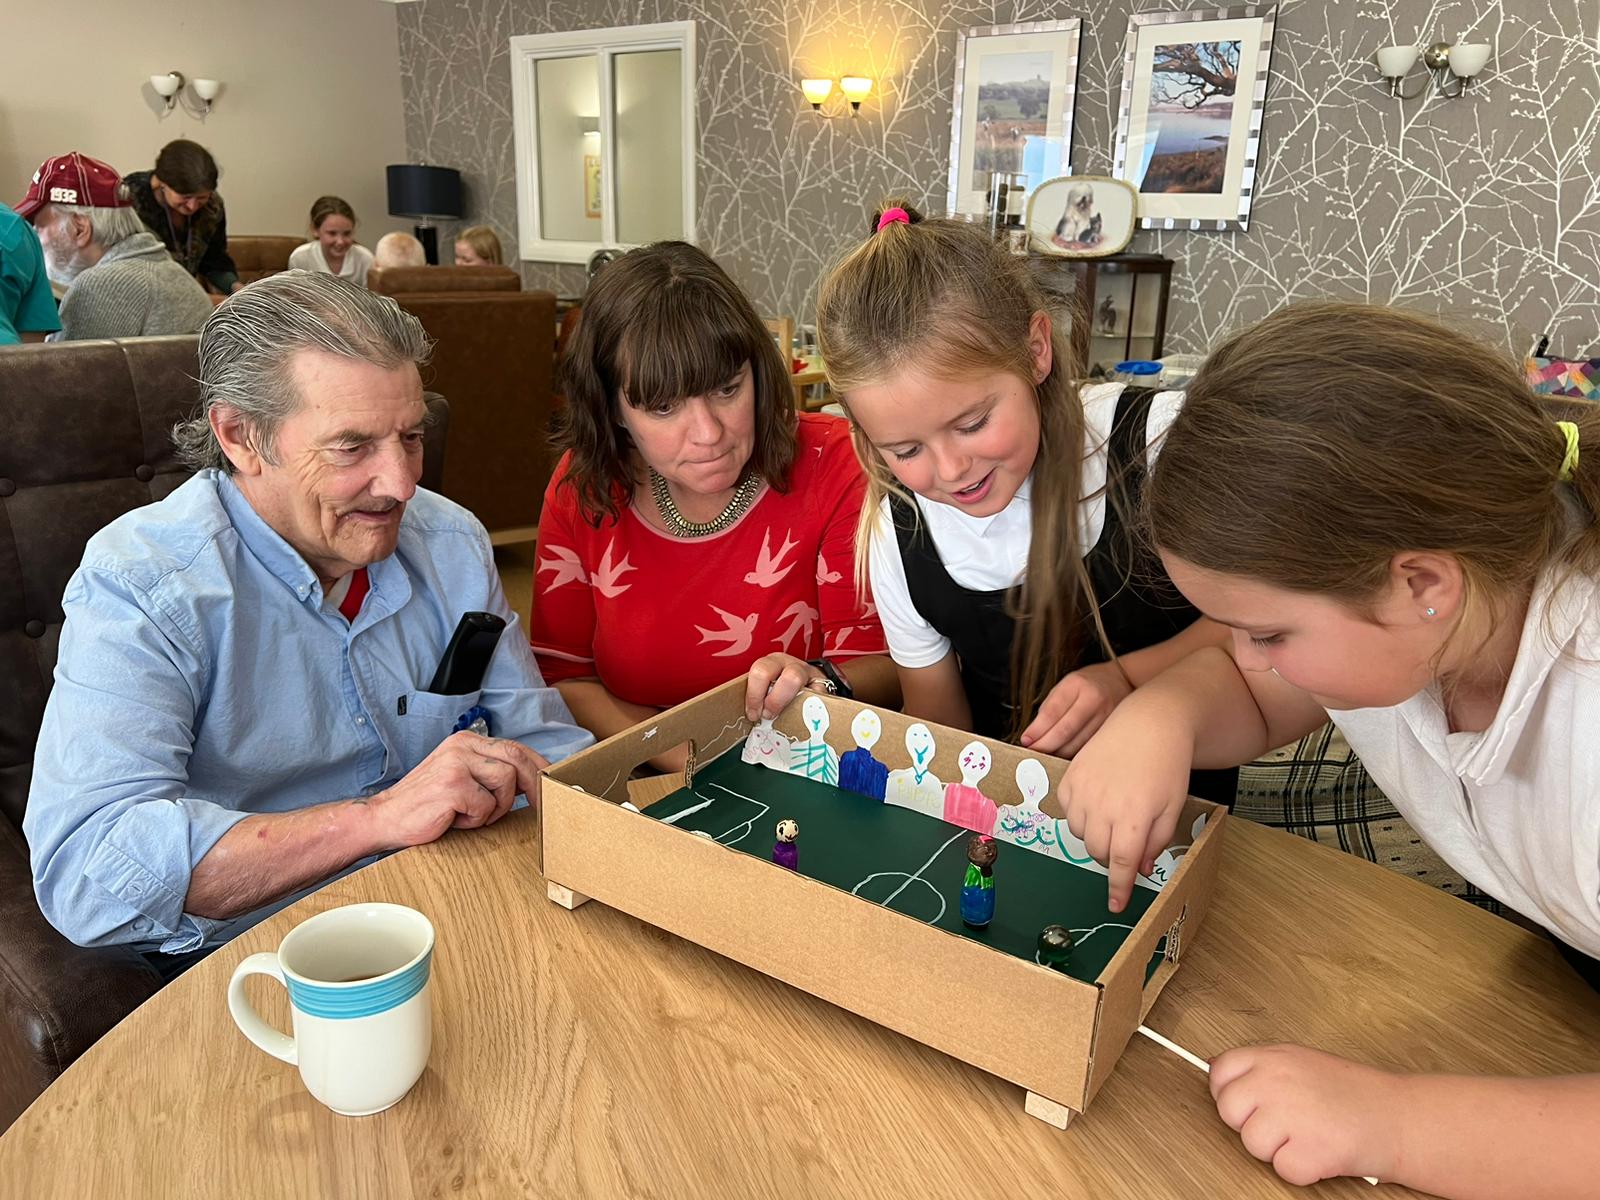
[
  {"x": 1047, "y": 1111},
  {"x": 565, "y": 896}
]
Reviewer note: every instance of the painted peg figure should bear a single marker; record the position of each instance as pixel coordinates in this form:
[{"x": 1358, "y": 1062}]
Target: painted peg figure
[{"x": 977, "y": 889}]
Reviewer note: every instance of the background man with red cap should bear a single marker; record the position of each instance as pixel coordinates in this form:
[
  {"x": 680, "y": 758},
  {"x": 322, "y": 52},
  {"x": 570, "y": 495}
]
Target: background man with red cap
[
  {"x": 27, "y": 308},
  {"x": 120, "y": 280}
]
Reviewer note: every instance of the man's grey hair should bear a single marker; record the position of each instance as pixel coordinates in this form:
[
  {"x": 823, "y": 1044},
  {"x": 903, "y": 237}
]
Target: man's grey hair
[
  {"x": 399, "y": 250},
  {"x": 107, "y": 226},
  {"x": 248, "y": 345}
]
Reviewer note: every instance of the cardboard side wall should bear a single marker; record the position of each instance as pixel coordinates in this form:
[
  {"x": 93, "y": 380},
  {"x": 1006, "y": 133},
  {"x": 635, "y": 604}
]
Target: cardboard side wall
[
  {"x": 1188, "y": 895},
  {"x": 910, "y": 977}
]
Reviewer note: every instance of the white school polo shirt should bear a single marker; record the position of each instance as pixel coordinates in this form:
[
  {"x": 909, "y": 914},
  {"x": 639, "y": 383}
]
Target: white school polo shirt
[
  {"x": 988, "y": 554},
  {"x": 1515, "y": 809},
  {"x": 309, "y": 257}
]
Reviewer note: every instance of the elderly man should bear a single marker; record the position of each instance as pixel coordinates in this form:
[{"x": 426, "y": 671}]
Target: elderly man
[
  {"x": 241, "y": 706},
  {"x": 399, "y": 250},
  {"x": 120, "y": 280}
]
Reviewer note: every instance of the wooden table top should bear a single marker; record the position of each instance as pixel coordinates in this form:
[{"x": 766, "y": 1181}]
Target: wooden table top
[{"x": 585, "y": 1054}]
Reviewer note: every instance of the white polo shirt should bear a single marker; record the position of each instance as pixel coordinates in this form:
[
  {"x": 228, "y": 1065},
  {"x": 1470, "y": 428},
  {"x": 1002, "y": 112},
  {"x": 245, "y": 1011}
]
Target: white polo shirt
[
  {"x": 1515, "y": 809},
  {"x": 309, "y": 257},
  {"x": 989, "y": 554}
]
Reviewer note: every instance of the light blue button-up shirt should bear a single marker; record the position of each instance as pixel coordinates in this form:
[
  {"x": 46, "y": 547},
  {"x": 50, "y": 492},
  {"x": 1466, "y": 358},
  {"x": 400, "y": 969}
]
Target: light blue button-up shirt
[{"x": 201, "y": 679}]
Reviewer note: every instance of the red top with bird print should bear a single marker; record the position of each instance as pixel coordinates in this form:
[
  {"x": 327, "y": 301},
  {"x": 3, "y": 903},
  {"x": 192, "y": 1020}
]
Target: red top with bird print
[{"x": 659, "y": 619}]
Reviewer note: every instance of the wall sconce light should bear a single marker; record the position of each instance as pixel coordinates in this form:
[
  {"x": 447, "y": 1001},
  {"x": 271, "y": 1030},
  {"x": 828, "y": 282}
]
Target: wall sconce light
[
  {"x": 589, "y": 126},
  {"x": 1452, "y": 68},
  {"x": 855, "y": 89},
  {"x": 167, "y": 85},
  {"x": 816, "y": 90},
  {"x": 207, "y": 90}
]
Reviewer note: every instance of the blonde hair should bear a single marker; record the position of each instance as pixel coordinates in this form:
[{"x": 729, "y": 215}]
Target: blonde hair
[
  {"x": 485, "y": 244},
  {"x": 1318, "y": 444},
  {"x": 943, "y": 295}
]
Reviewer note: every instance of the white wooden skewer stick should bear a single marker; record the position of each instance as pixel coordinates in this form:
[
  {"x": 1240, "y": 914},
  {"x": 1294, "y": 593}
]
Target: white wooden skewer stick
[
  {"x": 1196, "y": 1060},
  {"x": 1191, "y": 1059}
]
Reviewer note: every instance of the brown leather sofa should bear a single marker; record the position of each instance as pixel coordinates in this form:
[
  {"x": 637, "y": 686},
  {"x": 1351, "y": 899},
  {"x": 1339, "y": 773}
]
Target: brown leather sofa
[
  {"x": 257, "y": 255},
  {"x": 83, "y": 438},
  {"x": 492, "y": 356}
]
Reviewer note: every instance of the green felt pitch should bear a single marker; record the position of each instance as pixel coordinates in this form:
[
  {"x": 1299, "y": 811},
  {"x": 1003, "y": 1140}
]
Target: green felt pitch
[{"x": 904, "y": 860}]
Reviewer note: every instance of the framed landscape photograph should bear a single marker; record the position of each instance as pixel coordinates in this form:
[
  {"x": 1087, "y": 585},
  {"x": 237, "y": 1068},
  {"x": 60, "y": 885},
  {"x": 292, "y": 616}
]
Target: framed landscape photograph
[
  {"x": 1081, "y": 216},
  {"x": 1014, "y": 92},
  {"x": 1194, "y": 87}
]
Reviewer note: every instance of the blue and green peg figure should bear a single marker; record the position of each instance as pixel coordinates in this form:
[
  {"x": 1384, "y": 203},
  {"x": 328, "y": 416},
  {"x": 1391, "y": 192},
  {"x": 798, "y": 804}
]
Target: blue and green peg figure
[{"x": 977, "y": 889}]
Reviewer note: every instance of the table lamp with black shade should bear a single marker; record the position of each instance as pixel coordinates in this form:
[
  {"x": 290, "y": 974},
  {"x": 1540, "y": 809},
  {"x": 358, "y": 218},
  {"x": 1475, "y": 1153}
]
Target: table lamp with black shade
[{"x": 425, "y": 194}]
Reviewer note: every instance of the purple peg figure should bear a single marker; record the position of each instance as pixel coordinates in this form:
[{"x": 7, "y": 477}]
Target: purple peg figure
[{"x": 784, "y": 851}]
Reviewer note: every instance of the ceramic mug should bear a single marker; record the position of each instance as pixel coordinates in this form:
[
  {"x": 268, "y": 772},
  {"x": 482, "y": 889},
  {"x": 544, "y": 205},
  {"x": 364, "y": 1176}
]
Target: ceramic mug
[{"x": 360, "y": 999}]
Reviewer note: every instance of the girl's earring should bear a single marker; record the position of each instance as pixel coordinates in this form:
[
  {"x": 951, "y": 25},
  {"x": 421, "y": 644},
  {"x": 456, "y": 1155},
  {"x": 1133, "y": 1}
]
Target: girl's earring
[{"x": 1430, "y": 613}]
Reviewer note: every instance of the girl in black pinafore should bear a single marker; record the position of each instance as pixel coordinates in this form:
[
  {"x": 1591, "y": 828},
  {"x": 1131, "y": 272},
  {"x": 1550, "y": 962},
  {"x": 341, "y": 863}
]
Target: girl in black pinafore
[{"x": 998, "y": 531}]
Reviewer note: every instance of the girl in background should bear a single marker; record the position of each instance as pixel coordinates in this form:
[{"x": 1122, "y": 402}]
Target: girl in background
[
  {"x": 334, "y": 250},
  {"x": 996, "y": 530},
  {"x": 478, "y": 247},
  {"x": 1402, "y": 537}
]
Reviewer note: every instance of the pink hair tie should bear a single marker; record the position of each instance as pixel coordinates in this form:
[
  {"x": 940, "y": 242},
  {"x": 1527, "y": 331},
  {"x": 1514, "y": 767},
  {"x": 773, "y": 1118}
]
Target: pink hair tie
[{"x": 891, "y": 215}]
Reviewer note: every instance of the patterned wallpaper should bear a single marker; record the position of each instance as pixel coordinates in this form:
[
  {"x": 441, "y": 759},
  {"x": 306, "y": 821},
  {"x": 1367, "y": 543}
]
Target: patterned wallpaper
[{"x": 1487, "y": 208}]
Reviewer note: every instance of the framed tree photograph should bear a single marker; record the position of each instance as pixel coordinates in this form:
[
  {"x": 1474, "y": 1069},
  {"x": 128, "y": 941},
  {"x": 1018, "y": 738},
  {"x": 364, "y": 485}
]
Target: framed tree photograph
[
  {"x": 1012, "y": 108},
  {"x": 1194, "y": 87}
]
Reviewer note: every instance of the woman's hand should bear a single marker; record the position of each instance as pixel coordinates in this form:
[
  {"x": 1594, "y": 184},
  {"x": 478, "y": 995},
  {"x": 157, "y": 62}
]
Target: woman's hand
[
  {"x": 1075, "y": 708},
  {"x": 1309, "y": 1114},
  {"x": 1124, "y": 791},
  {"x": 774, "y": 681}
]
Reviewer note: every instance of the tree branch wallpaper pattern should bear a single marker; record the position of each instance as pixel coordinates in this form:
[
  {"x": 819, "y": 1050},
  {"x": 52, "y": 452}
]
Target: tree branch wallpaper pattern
[{"x": 1486, "y": 208}]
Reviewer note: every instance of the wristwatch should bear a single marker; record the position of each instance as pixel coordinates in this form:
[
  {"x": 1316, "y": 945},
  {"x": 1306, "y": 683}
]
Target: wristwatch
[{"x": 834, "y": 679}]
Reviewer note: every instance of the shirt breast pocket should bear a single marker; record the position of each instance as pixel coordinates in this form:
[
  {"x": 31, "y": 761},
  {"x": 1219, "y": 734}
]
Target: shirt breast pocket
[{"x": 428, "y": 719}]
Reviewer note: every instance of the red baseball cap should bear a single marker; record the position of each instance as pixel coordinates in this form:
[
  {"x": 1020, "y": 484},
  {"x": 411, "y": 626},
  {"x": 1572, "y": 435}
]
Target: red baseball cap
[{"x": 73, "y": 179}]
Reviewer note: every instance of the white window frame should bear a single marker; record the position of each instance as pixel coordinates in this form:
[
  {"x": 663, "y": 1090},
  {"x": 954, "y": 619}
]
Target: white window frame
[{"x": 603, "y": 44}]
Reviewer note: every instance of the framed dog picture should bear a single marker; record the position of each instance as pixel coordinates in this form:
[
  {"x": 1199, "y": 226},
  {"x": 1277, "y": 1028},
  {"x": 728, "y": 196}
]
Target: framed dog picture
[
  {"x": 1082, "y": 216},
  {"x": 1012, "y": 111},
  {"x": 1194, "y": 87}
]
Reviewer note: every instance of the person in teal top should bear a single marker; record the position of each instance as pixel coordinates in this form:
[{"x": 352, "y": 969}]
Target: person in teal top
[{"x": 26, "y": 303}]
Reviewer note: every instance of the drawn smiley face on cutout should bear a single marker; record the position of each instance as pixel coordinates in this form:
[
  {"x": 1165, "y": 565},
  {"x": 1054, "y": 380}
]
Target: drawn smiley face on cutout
[
  {"x": 766, "y": 747},
  {"x": 866, "y": 728},
  {"x": 919, "y": 744},
  {"x": 815, "y": 714},
  {"x": 975, "y": 761},
  {"x": 1032, "y": 781}
]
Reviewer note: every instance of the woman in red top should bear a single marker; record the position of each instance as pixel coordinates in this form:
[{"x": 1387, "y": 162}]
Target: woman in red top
[{"x": 695, "y": 529}]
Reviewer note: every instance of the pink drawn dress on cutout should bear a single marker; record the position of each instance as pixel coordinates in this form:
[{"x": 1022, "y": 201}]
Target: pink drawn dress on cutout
[{"x": 964, "y": 804}]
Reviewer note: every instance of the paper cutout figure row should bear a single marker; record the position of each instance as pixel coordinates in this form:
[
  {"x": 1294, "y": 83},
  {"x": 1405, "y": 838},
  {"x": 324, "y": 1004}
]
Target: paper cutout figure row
[{"x": 916, "y": 787}]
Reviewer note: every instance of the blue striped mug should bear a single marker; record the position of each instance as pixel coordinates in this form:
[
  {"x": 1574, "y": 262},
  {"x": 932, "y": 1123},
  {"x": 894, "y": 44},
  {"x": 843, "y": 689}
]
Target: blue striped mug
[{"x": 360, "y": 999}]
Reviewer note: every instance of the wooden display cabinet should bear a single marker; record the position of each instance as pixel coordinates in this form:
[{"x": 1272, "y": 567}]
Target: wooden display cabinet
[{"x": 1115, "y": 307}]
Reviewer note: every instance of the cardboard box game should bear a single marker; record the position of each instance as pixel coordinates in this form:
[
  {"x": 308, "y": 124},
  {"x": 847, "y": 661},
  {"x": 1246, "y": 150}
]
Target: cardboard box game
[{"x": 940, "y": 985}]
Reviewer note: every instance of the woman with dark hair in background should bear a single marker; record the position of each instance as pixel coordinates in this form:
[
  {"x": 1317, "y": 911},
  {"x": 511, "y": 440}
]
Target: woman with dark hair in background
[{"x": 178, "y": 201}]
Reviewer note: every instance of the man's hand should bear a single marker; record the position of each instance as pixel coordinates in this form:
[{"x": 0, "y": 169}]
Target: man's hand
[{"x": 466, "y": 782}]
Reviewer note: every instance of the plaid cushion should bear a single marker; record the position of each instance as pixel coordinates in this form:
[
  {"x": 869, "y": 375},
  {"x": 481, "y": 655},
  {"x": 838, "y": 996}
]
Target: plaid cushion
[{"x": 1318, "y": 789}]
